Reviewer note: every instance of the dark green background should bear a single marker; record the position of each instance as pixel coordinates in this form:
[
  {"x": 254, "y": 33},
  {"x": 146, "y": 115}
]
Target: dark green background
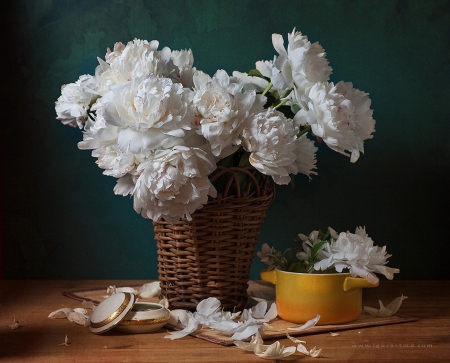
[{"x": 60, "y": 216}]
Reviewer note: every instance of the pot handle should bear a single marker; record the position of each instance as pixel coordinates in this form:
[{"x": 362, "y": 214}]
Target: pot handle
[
  {"x": 269, "y": 276},
  {"x": 352, "y": 283}
]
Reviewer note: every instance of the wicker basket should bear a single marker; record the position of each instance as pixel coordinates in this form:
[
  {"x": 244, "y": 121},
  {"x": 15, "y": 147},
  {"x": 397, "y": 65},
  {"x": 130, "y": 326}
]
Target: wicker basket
[{"x": 211, "y": 255}]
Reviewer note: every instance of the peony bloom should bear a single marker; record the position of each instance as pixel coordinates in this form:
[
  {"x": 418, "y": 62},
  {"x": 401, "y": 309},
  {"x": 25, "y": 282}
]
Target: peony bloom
[
  {"x": 139, "y": 58},
  {"x": 151, "y": 112},
  {"x": 271, "y": 138},
  {"x": 174, "y": 183},
  {"x": 301, "y": 65},
  {"x": 73, "y": 105},
  {"x": 221, "y": 105},
  {"x": 184, "y": 60},
  {"x": 338, "y": 114},
  {"x": 356, "y": 253}
]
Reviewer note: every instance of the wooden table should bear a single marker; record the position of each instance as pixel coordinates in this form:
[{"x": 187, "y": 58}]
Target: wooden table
[{"x": 425, "y": 340}]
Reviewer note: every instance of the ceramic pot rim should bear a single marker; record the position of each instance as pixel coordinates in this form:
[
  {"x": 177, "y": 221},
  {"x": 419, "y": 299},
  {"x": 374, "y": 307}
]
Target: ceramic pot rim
[{"x": 313, "y": 274}]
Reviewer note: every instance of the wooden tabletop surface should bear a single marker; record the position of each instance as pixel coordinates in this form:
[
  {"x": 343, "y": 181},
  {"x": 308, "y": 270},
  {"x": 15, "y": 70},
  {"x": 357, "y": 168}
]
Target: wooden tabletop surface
[{"x": 37, "y": 338}]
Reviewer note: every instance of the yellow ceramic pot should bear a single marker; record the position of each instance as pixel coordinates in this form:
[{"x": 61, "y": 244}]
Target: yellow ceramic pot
[{"x": 337, "y": 297}]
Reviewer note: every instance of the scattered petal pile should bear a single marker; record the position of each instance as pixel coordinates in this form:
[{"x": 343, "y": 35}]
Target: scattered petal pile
[{"x": 209, "y": 314}]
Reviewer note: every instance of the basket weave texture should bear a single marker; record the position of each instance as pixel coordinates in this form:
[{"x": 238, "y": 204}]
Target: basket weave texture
[{"x": 211, "y": 255}]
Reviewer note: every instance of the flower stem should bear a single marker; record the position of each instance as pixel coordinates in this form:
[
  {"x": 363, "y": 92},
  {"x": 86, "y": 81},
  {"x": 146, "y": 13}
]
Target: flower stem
[
  {"x": 269, "y": 86},
  {"x": 304, "y": 131},
  {"x": 280, "y": 104}
]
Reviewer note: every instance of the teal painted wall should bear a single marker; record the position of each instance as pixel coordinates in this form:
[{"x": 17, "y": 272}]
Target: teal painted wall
[{"x": 60, "y": 216}]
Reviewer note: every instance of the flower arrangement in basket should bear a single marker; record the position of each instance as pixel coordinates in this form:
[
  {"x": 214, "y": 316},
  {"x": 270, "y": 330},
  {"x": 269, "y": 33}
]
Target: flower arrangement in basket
[{"x": 165, "y": 130}]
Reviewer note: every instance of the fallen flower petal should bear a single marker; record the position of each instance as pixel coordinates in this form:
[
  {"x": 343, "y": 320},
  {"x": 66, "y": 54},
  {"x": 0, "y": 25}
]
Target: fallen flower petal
[
  {"x": 300, "y": 347},
  {"x": 395, "y": 304},
  {"x": 14, "y": 324},
  {"x": 246, "y": 333},
  {"x": 191, "y": 326},
  {"x": 77, "y": 315},
  {"x": 308, "y": 325},
  {"x": 274, "y": 351},
  {"x": 150, "y": 289},
  {"x": 60, "y": 313},
  {"x": 165, "y": 303},
  {"x": 180, "y": 315},
  {"x": 389, "y": 310},
  {"x": 259, "y": 310},
  {"x": 66, "y": 342},
  {"x": 78, "y": 318},
  {"x": 250, "y": 347},
  {"x": 110, "y": 290},
  {"x": 315, "y": 353},
  {"x": 272, "y": 313},
  {"x": 80, "y": 311},
  {"x": 270, "y": 327},
  {"x": 89, "y": 304},
  {"x": 295, "y": 340},
  {"x": 126, "y": 289},
  {"x": 208, "y": 306}
]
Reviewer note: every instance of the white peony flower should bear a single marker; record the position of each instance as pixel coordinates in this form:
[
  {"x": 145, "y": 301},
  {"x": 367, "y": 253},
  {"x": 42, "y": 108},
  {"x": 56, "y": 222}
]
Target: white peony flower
[
  {"x": 174, "y": 183},
  {"x": 220, "y": 105},
  {"x": 338, "y": 114},
  {"x": 139, "y": 58},
  {"x": 98, "y": 133},
  {"x": 356, "y": 253},
  {"x": 73, "y": 105},
  {"x": 151, "y": 112},
  {"x": 271, "y": 138},
  {"x": 305, "y": 160},
  {"x": 184, "y": 60},
  {"x": 301, "y": 65}
]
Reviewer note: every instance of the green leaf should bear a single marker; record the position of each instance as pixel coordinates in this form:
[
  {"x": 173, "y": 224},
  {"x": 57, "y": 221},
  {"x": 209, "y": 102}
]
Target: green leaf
[
  {"x": 256, "y": 73},
  {"x": 296, "y": 107},
  {"x": 316, "y": 249},
  {"x": 244, "y": 161}
]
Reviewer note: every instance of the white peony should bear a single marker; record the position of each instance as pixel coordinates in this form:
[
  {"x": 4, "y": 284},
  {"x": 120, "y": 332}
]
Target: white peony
[
  {"x": 139, "y": 58},
  {"x": 73, "y": 105},
  {"x": 355, "y": 252},
  {"x": 220, "y": 105},
  {"x": 301, "y": 65},
  {"x": 184, "y": 60},
  {"x": 174, "y": 183},
  {"x": 340, "y": 115},
  {"x": 271, "y": 138},
  {"x": 151, "y": 112},
  {"x": 98, "y": 133}
]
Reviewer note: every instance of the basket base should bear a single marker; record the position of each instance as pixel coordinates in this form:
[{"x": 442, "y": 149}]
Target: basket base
[{"x": 211, "y": 255}]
